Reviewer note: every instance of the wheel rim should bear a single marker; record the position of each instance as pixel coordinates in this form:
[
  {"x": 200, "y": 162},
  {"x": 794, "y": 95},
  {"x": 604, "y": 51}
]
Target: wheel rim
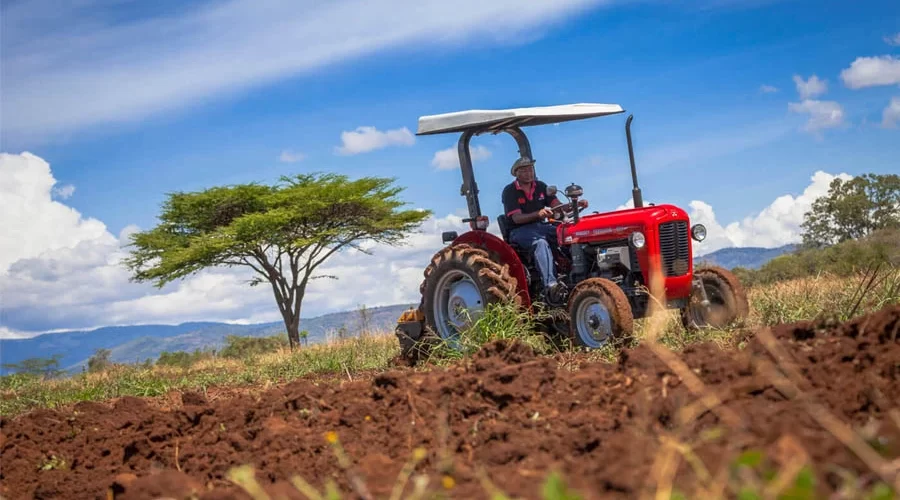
[
  {"x": 458, "y": 303},
  {"x": 716, "y": 314},
  {"x": 593, "y": 322}
]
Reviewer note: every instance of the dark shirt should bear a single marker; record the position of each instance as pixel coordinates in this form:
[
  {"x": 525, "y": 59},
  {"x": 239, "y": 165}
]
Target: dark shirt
[{"x": 515, "y": 199}]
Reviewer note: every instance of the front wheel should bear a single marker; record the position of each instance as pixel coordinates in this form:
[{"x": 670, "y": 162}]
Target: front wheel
[
  {"x": 599, "y": 314},
  {"x": 727, "y": 300}
]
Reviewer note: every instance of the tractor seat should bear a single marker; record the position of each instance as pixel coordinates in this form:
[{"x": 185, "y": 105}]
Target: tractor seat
[{"x": 503, "y": 223}]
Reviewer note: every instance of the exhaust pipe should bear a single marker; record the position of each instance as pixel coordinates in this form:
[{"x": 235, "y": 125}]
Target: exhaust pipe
[{"x": 635, "y": 191}]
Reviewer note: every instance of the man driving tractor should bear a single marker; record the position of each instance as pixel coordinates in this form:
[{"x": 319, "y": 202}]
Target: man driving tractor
[{"x": 527, "y": 204}]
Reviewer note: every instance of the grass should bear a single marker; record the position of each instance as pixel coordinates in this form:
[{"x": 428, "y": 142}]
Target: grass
[
  {"x": 20, "y": 393},
  {"x": 808, "y": 298}
]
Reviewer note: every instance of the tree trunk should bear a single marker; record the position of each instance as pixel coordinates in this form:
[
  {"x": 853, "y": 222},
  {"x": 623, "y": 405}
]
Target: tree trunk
[{"x": 293, "y": 332}]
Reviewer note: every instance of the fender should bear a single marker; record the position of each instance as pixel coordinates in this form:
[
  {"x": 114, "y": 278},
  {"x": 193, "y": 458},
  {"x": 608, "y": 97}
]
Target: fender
[{"x": 506, "y": 254}]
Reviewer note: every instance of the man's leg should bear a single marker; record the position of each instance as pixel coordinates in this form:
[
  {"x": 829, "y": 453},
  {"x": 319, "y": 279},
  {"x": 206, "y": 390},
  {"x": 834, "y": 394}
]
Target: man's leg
[{"x": 534, "y": 236}]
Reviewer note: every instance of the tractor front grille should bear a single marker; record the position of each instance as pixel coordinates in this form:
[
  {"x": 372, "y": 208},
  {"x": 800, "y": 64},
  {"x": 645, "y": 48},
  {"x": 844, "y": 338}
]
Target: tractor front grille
[{"x": 673, "y": 244}]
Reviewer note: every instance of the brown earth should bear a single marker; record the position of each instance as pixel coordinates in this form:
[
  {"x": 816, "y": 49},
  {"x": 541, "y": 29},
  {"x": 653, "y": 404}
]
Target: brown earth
[{"x": 508, "y": 412}]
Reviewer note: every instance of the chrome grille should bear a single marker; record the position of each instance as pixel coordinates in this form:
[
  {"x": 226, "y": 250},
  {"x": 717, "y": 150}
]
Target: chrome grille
[{"x": 673, "y": 244}]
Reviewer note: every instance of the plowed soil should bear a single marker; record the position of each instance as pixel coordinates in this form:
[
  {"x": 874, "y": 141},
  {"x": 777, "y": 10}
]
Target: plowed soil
[{"x": 510, "y": 413}]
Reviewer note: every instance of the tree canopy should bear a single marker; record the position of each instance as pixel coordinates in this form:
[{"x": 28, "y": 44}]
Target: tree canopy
[
  {"x": 282, "y": 232},
  {"x": 853, "y": 209}
]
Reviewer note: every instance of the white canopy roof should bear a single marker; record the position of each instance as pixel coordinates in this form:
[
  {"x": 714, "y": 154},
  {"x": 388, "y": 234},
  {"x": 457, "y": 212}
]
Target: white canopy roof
[{"x": 495, "y": 119}]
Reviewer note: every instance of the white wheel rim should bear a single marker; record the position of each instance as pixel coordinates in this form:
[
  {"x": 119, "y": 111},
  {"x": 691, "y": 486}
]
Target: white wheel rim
[
  {"x": 593, "y": 322},
  {"x": 458, "y": 303}
]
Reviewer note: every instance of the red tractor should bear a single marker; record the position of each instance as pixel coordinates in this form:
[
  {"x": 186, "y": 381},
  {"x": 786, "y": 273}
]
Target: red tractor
[{"x": 609, "y": 262}]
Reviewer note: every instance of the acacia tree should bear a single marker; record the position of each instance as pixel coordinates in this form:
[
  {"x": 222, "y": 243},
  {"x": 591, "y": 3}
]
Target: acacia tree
[
  {"x": 853, "y": 209},
  {"x": 282, "y": 232}
]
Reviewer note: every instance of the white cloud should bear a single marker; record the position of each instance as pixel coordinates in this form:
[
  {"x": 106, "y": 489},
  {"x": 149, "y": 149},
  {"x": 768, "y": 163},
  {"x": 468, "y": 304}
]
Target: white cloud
[
  {"x": 365, "y": 139},
  {"x": 64, "y": 192},
  {"x": 288, "y": 156},
  {"x": 871, "y": 72},
  {"x": 891, "y": 114},
  {"x": 822, "y": 114},
  {"x": 777, "y": 224},
  {"x": 893, "y": 40},
  {"x": 448, "y": 159},
  {"x": 34, "y": 223},
  {"x": 810, "y": 88},
  {"x": 768, "y": 89},
  {"x": 59, "y": 270},
  {"x": 67, "y": 66}
]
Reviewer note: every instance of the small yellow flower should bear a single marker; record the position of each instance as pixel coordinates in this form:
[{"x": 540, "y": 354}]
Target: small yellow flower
[
  {"x": 419, "y": 454},
  {"x": 331, "y": 437},
  {"x": 368, "y": 418},
  {"x": 448, "y": 482}
]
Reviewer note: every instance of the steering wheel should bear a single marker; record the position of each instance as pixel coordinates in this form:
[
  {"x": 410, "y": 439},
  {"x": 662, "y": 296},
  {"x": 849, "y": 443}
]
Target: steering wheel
[{"x": 564, "y": 211}]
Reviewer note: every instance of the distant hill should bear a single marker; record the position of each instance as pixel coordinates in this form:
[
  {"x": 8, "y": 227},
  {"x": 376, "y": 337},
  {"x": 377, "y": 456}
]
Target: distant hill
[
  {"x": 130, "y": 344},
  {"x": 748, "y": 257}
]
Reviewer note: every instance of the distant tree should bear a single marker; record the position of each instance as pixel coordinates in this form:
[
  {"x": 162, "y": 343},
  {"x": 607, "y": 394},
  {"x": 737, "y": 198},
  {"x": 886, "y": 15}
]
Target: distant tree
[
  {"x": 48, "y": 367},
  {"x": 365, "y": 320},
  {"x": 99, "y": 361},
  {"x": 304, "y": 336},
  {"x": 853, "y": 209},
  {"x": 282, "y": 232}
]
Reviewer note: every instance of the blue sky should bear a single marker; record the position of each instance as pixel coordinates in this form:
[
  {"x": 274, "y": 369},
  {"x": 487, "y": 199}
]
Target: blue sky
[{"x": 127, "y": 100}]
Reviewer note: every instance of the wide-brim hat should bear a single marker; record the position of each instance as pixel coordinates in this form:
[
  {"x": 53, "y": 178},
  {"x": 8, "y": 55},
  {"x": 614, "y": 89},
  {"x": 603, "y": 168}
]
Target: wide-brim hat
[{"x": 521, "y": 162}]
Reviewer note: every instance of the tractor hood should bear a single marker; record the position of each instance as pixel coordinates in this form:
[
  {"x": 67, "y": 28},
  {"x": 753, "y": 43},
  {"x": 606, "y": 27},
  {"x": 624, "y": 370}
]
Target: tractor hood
[{"x": 619, "y": 223}]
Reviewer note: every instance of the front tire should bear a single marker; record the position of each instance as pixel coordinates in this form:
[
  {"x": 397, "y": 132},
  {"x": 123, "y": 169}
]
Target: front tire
[
  {"x": 727, "y": 300},
  {"x": 599, "y": 314},
  {"x": 460, "y": 282}
]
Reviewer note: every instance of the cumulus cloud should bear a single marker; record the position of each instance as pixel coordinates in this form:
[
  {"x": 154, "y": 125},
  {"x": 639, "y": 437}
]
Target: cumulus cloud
[
  {"x": 33, "y": 222},
  {"x": 448, "y": 159},
  {"x": 822, "y": 114},
  {"x": 893, "y": 40},
  {"x": 810, "y": 88},
  {"x": 775, "y": 225},
  {"x": 63, "y": 63},
  {"x": 872, "y": 72},
  {"x": 768, "y": 89},
  {"x": 891, "y": 114},
  {"x": 59, "y": 270},
  {"x": 288, "y": 156},
  {"x": 365, "y": 139}
]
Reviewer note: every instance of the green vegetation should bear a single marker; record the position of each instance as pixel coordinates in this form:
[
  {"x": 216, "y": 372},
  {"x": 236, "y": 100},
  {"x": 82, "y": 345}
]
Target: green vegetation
[
  {"x": 853, "y": 210},
  {"x": 879, "y": 249},
  {"x": 282, "y": 232},
  {"x": 21, "y": 392},
  {"x": 48, "y": 367}
]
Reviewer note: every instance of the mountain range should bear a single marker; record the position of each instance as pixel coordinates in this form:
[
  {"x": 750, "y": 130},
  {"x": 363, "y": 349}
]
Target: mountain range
[{"x": 130, "y": 344}]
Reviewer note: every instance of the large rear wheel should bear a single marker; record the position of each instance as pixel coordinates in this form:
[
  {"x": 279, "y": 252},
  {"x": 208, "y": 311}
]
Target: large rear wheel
[
  {"x": 599, "y": 314},
  {"x": 727, "y": 300},
  {"x": 460, "y": 282}
]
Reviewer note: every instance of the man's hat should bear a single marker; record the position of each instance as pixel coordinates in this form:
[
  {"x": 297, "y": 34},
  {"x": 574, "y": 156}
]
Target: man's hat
[{"x": 521, "y": 162}]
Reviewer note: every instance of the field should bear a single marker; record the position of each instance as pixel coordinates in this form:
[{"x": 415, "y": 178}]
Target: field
[{"x": 801, "y": 401}]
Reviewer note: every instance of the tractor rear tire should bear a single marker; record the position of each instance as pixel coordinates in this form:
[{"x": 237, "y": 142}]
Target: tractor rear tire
[
  {"x": 465, "y": 276},
  {"x": 727, "y": 300},
  {"x": 599, "y": 314}
]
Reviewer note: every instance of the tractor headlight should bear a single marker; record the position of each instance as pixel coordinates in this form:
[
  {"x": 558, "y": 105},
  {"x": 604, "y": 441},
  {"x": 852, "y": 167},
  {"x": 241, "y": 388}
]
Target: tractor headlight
[
  {"x": 637, "y": 239},
  {"x": 698, "y": 232}
]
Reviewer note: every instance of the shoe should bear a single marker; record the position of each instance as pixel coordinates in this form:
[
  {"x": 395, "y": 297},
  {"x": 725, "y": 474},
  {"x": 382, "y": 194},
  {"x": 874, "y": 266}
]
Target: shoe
[{"x": 556, "y": 293}]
